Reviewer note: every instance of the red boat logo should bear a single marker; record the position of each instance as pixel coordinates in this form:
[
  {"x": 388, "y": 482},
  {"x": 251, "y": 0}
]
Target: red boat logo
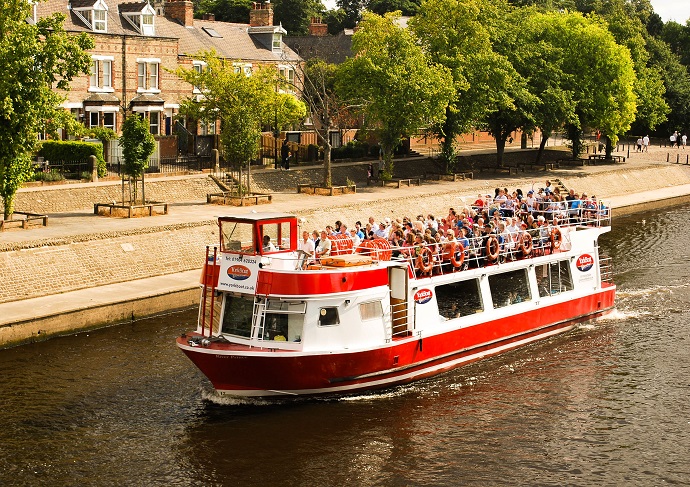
[
  {"x": 584, "y": 262},
  {"x": 239, "y": 272},
  {"x": 423, "y": 296}
]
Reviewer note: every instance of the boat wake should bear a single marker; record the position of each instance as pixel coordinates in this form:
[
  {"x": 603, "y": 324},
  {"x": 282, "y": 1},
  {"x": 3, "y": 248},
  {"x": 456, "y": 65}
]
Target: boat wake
[
  {"x": 219, "y": 400},
  {"x": 633, "y": 293}
]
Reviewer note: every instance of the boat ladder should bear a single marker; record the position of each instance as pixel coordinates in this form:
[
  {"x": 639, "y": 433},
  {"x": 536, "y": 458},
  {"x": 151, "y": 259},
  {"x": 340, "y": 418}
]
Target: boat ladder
[{"x": 259, "y": 312}]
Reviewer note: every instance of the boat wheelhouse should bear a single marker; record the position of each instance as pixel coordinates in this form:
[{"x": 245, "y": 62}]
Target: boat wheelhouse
[{"x": 275, "y": 322}]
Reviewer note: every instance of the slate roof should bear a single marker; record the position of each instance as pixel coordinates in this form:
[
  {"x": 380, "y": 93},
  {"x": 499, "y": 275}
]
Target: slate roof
[
  {"x": 235, "y": 43},
  {"x": 332, "y": 49}
]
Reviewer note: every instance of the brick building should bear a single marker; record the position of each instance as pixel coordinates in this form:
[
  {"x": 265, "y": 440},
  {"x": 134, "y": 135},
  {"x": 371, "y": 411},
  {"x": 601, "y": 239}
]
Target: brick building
[{"x": 139, "y": 46}]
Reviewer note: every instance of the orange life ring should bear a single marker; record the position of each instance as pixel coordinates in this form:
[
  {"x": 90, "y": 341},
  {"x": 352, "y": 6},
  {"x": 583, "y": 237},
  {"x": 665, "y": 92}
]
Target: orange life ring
[
  {"x": 492, "y": 242},
  {"x": 423, "y": 266},
  {"x": 556, "y": 238},
  {"x": 458, "y": 255},
  {"x": 526, "y": 244}
]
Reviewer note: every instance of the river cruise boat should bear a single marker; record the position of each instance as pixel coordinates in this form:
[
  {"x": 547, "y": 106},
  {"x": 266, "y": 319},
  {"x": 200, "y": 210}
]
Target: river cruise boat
[{"x": 272, "y": 322}]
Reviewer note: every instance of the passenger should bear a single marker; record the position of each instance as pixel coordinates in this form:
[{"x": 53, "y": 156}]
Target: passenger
[
  {"x": 355, "y": 239},
  {"x": 316, "y": 238},
  {"x": 323, "y": 249},
  {"x": 306, "y": 246},
  {"x": 268, "y": 245}
]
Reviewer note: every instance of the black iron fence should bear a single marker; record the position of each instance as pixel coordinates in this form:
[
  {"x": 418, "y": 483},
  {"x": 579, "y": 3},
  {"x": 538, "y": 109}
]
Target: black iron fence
[
  {"x": 167, "y": 165},
  {"x": 56, "y": 170}
]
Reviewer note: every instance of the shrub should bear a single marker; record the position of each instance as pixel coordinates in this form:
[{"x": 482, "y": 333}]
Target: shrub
[
  {"x": 73, "y": 150},
  {"x": 352, "y": 150},
  {"x": 51, "y": 175}
]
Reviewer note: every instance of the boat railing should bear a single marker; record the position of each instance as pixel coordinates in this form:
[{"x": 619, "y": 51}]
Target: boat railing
[
  {"x": 429, "y": 258},
  {"x": 589, "y": 211},
  {"x": 606, "y": 269}
]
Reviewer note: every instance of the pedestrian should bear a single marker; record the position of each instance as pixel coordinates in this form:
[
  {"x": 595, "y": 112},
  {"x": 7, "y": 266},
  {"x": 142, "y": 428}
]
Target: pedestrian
[
  {"x": 684, "y": 139},
  {"x": 672, "y": 138},
  {"x": 645, "y": 143},
  {"x": 284, "y": 152},
  {"x": 639, "y": 145}
]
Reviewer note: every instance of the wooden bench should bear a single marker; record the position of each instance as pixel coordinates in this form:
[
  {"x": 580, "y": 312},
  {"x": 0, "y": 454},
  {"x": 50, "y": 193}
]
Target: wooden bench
[
  {"x": 330, "y": 190},
  {"x": 24, "y": 222},
  {"x": 399, "y": 182},
  {"x": 121, "y": 206},
  {"x": 449, "y": 177},
  {"x": 230, "y": 195}
]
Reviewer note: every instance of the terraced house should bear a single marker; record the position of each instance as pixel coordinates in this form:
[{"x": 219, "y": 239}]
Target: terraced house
[{"x": 139, "y": 45}]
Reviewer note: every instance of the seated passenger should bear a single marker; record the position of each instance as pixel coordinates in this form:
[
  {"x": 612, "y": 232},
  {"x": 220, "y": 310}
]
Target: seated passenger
[
  {"x": 323, "y": 249},
  {"x": 268, "y": 245}
]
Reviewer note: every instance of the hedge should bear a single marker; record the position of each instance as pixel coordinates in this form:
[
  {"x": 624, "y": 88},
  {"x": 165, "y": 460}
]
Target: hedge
[{"x": 73, "y": 150}]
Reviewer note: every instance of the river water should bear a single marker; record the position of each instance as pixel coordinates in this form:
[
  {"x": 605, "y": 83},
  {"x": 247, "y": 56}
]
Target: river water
[{"x": 606, "y": 404}]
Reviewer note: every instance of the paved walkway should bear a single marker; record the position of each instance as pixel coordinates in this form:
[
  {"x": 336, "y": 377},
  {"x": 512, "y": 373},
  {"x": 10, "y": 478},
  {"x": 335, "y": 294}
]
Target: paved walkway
[{"x": 73, "y": 224}]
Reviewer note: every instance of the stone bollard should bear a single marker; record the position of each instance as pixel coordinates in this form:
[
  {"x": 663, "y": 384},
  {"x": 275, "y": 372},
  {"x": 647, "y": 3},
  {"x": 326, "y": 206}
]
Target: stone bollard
[{"x": 93, "y": 162}]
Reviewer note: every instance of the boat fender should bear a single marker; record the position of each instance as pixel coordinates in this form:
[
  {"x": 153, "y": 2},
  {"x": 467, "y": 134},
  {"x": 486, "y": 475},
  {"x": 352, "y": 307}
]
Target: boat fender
[
  {"x": 492, "y": 248},
  {"x": 556, "y": 238},
  {"x": 526, "y": 244},
  {"x": 457, "y": 254},
  {"x": 422, "y": 265},
  {"x": 421, "y": 344}
]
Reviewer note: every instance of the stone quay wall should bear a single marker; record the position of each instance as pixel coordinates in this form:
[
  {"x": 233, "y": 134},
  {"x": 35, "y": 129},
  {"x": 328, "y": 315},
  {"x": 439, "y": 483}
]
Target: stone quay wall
[{"x": 96, "y": 260}]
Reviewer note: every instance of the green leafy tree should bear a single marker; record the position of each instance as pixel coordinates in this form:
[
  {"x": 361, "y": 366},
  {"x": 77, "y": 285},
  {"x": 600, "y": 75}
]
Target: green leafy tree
[
  {"x": 406, "y": 7},
  {"x": 453, "y": 33},
  {"x": 392, "y": 78},
  {"x": 137, "y": 146},
  {"x": 295, "y": 15},
  {"x": 243, "y": 104},
  {"x": 601, "y": 77},
  {"x": 351, "y": 11},
  {"x": 226, "y": 10},
  {"x": 35, "y": 59},
  {"x": 676, "y": 82}
]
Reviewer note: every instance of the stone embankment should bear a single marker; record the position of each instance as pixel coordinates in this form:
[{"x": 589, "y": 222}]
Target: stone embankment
[{"x": 84, "y": 252}]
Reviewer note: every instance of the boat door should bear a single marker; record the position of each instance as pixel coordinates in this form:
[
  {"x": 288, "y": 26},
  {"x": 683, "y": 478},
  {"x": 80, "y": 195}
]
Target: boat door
[{"x": 397, "y": 278}]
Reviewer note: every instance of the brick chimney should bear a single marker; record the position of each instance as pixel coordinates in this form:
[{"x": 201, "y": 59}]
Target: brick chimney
[
  {"x": 261, "y": 15},
  {"x": 211, "y": 17},
  {"x": 317, "y": 27},
  {"x": 182, "y": 10}
]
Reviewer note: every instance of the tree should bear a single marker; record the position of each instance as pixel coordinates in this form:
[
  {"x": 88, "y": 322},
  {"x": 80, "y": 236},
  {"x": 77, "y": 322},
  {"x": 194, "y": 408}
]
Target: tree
[
  {"x": 295, "y": 15},
  {"x": 137, "y": 146},
  {"x": 35, "y": 59},
  {"x": 226, "y": 10},
  {"x": 406, "y": 7},
  {"x": 453, "y": 33},
  {"x": 600, "y": 77},
  {"x": 243, "y": 104},
  {"x": 400, "y": 90},
  {"x": 324, "y": 106}
]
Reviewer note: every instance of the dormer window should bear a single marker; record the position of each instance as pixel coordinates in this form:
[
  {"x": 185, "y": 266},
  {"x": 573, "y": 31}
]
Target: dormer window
[
  {"x": 277, "y": 41},
  {"x": 100, "y": 20},
  {"x": 94, "y": 14},
  {"x": 139, "y": 15}
]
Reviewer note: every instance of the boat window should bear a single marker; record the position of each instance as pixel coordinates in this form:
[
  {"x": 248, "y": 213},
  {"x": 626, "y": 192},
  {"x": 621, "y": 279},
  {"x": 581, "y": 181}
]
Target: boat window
[
  {"x": 371, "y": 310},
  {"x": 554, "y": 278},
  {"x": 509, "y": 288},
  {"x": 328, "y": 317},
  {"x": 459, "y": 299},
  {"x": 237, "y": 315},
  {"x": 279, "y": 235},
  {"x": 236, "y": 236},
  {"x": 284, "y": 320}
]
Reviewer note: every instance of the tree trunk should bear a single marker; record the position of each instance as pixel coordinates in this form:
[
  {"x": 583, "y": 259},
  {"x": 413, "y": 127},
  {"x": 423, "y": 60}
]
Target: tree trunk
[
  {"x": 448, "y": 158},
  {"x": 143, "y": 194},
  {"x": 327, "y": 172},
  {"x": 574, "y": 136},
  {"x": 609, "y": 147},
  {"x": 500, "y": 149},
  {"x": 542, "y": 144},
  {"x": 8, "y": 202}
]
